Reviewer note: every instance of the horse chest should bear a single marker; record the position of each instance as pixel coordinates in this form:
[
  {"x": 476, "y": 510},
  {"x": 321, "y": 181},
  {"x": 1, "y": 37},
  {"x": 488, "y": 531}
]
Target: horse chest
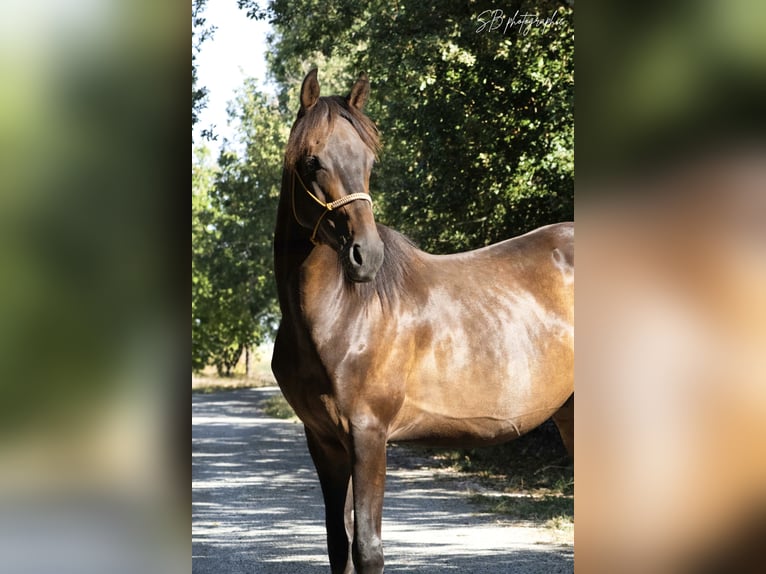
[{"x": 310, "y": 383}]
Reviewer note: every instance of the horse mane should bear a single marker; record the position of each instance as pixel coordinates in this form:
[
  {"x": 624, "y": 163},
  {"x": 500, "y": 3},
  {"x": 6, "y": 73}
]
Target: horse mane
[{"x": 314, "y": 124}]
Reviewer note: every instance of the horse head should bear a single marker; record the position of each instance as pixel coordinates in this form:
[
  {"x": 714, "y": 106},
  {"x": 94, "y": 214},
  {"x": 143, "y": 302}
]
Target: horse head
[{"x": 330, "y": 154}]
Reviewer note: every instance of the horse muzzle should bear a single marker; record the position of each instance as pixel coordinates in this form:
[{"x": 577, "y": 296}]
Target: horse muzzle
[{"x": 362, "y": 257}]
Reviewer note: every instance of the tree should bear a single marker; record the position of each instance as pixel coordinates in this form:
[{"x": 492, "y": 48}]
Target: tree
[
  {"x": 233, "y": 289},
  {"x": 200, "y": 33},
  {"x": 204, "y": 231}
]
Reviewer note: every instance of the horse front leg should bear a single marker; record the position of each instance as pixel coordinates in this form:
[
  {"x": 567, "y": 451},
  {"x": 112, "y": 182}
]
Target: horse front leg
[
  {"x": 369, "y": 482},
  {"x": 333, "y": 465}
]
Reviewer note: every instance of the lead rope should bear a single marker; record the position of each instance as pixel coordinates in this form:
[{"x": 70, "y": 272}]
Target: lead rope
[{"x": 328, "y": 206}]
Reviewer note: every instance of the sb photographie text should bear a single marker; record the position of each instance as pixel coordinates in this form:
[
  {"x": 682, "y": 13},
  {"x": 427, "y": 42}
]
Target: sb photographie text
[{"x": 497, "y": 21}]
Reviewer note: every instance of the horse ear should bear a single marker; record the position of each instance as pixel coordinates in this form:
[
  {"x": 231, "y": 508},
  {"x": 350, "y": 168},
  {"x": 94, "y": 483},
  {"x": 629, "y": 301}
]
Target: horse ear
[
  {"x": 360, "y": 92},
  {"x": 309, "y": 90}
]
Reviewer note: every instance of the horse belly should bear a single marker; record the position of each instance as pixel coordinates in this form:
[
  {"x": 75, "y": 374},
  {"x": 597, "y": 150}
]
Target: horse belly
[
  {"x": 475, "y": 393},
  {"x": 437, "y": 429},
  {"x": 472, "y": 413}
]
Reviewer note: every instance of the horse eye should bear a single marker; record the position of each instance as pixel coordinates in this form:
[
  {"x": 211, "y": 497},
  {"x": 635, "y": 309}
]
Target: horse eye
[{"x": 312, "y": 163}]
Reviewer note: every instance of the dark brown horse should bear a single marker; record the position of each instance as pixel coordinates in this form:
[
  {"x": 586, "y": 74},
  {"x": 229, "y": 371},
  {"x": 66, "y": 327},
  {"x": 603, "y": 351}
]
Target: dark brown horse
[{"x": 380, "y": 341}]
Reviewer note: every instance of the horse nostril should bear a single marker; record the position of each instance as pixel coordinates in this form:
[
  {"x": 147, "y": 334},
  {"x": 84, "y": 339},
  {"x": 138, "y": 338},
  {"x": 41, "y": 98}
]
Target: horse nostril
[{"x": 356, "y": 254}]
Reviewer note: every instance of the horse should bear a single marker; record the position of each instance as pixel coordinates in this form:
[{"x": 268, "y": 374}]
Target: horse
[{"x": 380, "y": 341}]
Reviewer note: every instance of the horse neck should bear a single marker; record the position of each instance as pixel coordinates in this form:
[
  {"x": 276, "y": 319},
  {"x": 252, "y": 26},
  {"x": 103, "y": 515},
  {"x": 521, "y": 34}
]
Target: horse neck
[{"x": 292, "y": 244}]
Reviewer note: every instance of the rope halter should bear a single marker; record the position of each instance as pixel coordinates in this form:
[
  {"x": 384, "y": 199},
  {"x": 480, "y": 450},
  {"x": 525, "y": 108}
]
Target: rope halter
[{"x": 328, "y": 207}]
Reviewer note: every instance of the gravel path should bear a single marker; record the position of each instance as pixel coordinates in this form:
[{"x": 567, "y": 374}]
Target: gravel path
[{"x": 257, "y": 506}]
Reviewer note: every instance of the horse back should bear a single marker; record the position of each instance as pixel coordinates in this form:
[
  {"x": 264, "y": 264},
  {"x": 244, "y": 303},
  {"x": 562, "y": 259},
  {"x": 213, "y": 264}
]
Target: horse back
[
  {"x": 557, "y": 238},
  {"x": 540, "y": 262}
]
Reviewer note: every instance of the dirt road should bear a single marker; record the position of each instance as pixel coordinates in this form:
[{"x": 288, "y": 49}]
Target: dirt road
[{"x": 257, "y": 505}]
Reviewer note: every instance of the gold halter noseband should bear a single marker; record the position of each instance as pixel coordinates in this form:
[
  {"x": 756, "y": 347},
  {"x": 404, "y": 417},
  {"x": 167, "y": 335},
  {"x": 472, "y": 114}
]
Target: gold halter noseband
[{"x": 327, "y": 206}]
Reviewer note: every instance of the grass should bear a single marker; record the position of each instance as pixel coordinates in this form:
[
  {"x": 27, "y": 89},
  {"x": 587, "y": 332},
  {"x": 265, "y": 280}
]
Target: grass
[
  {"x": 556, "y": 510},
  {"x": 208, "y": 387},
  {"x": 208, "y": 380},
  {"x": 563, "y": 523},
  {"x": 531, "y": 478},
  {"x": 277, "y": 407}
]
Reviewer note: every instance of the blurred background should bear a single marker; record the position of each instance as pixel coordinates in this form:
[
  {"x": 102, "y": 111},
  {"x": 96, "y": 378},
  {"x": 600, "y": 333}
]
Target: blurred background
[
  {"x": 91, "y": 247},
  {"x": 671, "y": 292}
]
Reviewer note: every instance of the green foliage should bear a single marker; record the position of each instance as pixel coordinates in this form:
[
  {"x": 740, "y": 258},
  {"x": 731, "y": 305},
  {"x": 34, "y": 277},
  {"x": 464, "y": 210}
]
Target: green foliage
[
  {"x": 477, "y": 126},
  {"x": 233, "y": 289},
  {"x": 208, "y": 309},
  {"x": 200, "y": 33},
  {"x": 667, "y": 81}
]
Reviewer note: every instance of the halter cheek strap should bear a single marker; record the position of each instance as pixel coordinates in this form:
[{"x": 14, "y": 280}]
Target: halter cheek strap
[{"x": 328, "y": 207}]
